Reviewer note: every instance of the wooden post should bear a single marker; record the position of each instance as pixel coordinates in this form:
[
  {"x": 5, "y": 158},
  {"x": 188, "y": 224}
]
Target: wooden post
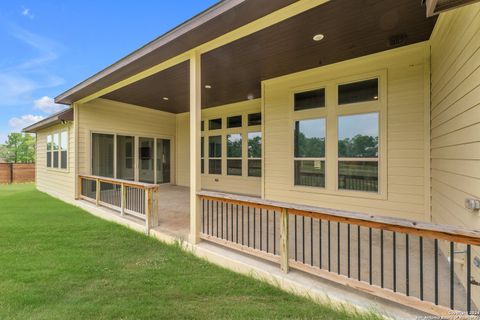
[
  {"x": 195, "y": 119},
  {"x": 155, "y": 213},
  {"x": 97, "y": 193},
  {"x": 78, "y": 191},
  {"x": 284, "y": 240},
  {"x": 123, "y": 199},
  {"x": 148, "y": 211}
]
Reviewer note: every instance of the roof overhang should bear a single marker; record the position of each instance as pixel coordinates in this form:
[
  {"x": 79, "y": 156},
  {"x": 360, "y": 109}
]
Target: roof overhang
[
  {"x": 435, "y": 7},
  {"x": 217, "y": 20},
  {"x": 57, "y": 118}
]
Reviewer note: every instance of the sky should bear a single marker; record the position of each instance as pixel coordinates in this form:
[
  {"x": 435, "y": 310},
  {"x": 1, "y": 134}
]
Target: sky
[{"x": 47, "y": 47}]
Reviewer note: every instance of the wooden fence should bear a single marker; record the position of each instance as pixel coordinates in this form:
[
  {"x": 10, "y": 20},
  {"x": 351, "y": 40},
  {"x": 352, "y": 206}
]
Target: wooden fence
[{"x": 17, "y": 172}]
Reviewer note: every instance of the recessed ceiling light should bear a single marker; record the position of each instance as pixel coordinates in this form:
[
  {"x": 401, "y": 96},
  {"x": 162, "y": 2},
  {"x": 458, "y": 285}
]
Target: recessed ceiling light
[
  {"x": 375, "y": 98},
  {"x": 165, "y": 98},
  {"x": 207, "y": 86},
  {"x": 318, "y": 37},
  {"x": 250, "y": 96}
]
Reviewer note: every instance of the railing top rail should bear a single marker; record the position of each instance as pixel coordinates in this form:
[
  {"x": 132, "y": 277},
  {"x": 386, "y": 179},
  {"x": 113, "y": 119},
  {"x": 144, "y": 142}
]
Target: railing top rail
[
  {"x": 128, "y": 183},
  {"x": 444, "y": 232}
]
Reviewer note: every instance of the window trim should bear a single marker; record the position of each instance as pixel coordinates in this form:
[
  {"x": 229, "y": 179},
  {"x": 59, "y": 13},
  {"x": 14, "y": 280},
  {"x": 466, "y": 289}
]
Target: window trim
[
  {"x": 59, "y": 168},
  {"x": 331, "y": 112}
]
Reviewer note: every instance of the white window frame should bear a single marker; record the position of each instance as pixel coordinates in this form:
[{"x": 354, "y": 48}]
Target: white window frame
[
  {"x": 59, "y": 155},
  {"x": 331, "y": 112}
]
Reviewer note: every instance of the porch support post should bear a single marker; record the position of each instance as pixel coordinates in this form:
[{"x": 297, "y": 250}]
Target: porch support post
[
  {"x": 284, "y": 240},
  {"x": 195, "y": 120}
]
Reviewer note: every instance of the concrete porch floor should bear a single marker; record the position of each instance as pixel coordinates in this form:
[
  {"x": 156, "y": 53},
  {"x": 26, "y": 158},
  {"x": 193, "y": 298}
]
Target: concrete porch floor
[{"x": 174, "y": 211}]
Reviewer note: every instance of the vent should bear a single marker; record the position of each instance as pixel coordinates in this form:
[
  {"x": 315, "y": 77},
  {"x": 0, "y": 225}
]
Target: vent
[
  {"x": 434, "y": 7},
  {"x": 397, "y": 40}
]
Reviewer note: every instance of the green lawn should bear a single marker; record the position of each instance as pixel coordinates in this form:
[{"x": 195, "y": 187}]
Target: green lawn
[{"x": 59, "y": 262}]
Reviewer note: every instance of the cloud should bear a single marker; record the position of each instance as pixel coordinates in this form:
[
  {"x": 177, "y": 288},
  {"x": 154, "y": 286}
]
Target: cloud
[
  {"x": 48, "y": 105},
  {"x": 26, "y": 13},
  {"x": 18, "y": 82},
  {"x": 17, "y": 124}
]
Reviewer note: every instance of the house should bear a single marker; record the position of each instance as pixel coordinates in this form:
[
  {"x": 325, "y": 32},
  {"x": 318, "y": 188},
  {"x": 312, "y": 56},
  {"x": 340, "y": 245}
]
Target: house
[{"x": 339, "y": 138}]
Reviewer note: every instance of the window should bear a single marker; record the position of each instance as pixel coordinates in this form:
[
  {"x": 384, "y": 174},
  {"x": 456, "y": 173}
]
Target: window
[
  {"x": 215, "y": 124},
  {"x": 102, "y": 155},
  {"x": 63, "y": 149},
  {"x": 57, "y": 150},
  {"x": 309, "y": 153},
  {"x": 309, "y": 99},
  {"x": 56, "y": 146},
  {"x": 234, "y": 154},
  {"x": 163, "y": 161},
  {"x": 254, "y": 119},
  {"x": 202, "y": 155},
  {"x": 254, "y": 154},
  {"x": 361, "y": 91},
  {"x": 358, "y": 138},
  {"x": 234, "y": 122},
  {"x": 215, "y": 155},
  {"x": 125, "y": 157},
  {"x": 49, "y": 151}
]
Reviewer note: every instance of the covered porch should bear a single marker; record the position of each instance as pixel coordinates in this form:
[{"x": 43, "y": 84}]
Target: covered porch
[{"x": 312, "y": 153}]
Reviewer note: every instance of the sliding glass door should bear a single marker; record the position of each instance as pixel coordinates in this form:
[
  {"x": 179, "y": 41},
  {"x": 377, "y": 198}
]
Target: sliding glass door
[
  {"x": 102, "y": 155},
  {"x": 163, "y": 161},
  {"x": 126, "y": 157},
  {"x": 119, "y": 156},
  {"x": 146, "y": 160}
]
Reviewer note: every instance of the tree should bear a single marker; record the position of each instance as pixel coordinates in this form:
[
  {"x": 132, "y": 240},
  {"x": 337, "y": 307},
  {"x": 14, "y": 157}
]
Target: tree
[{"x": 19, "y": 148}]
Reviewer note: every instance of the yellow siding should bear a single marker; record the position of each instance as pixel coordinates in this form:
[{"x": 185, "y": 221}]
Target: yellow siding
[
  {"x": 455, "y": 121},
  {"x": 243, "y": 185},
  {"x": 58, "y": 183},
  {"x": 455, "y": 133},
  {"x": 406, "y": 194},
  {"x": 107, "y": 116}
]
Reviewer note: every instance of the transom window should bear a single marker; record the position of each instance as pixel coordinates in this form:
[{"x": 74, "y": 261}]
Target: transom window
[
  {"x": 57, "y": 150},
  {"x": 360, "y": 91},
  {"x": 309, "y": 152},
  {"x": 309, "y": 99}
]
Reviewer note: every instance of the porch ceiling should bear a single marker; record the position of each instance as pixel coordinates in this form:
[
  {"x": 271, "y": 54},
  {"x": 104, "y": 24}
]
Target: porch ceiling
[{"x": 235, "y": 71}]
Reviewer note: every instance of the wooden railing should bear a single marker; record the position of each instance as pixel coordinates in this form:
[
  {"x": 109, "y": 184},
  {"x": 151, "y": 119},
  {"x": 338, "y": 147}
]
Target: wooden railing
[
  {"x": 416, "y": 264},
  {"x": 136, "y": 199}
]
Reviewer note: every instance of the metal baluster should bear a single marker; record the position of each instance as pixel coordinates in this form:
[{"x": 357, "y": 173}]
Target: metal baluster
[
  {"x": 469, "y": 279},
  {"x": 243, "y": 225},
  {"x": 320, "y": 243},
  {"x": 435, "y": 251},
  {"x": 221, "y": 219},
  {"x": 311, "y": 241},
  {"x": 348, "y": 250},
  {"x": 267, "y": 230},
  {"x": 261, "y": 227},
  {"x": 359, "y": 258},
  {"x": 338, "y": 247},
  {"x": 329, "y": 248},
  {"x": 370, "y": 255},
  {"x": 394, "y": 261},
  {"x": 254, "y": 228},
  {"x": 381, "y": 259},
  {"x": 231, "y": 219},
  {"x": 274, "y": 233},
  {"x": 217, "y": 218},
  {"x": 295, "y": 235},
  {"x": 303, "y": 238},
  {"x": 421, "y": 267},
  {"x": 452, "y": 275},
  {"x": 248, "y": 226},
  {"x": 236, "y": 211},
  {"x": 203, "y": 216},
  {"x": 226, "y": 221},
  {"x": 208, "y": 213},
  {"x": 407, "y": 264}
]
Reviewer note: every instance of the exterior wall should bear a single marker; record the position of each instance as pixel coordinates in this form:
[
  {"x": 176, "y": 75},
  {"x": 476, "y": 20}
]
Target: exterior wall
[
  {"x": 59, "y": 183},
  {"x": 106, "y": 116},
  {"x": 455, "y": 124},
  {"x": 404, "y": 154},
  {"x": 456, "y": 116},
  {"x": 234, "y": 184}
]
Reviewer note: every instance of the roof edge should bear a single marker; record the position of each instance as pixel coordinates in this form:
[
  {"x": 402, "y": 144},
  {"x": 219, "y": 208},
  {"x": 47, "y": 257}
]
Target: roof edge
[
  {"x": 192, "y": 23},
  {"x": 59, "y": 117}
]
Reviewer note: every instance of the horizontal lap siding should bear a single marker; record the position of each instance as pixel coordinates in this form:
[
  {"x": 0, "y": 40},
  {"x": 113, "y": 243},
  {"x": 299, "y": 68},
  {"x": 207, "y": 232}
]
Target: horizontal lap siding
[
  {"x": 407, "y": 135},
  {"x": 58, "y": 183},
  {"x": 102, "y": 115},
  {"x": 455, "y": 110},
  {"x": 455, "y": 121}
]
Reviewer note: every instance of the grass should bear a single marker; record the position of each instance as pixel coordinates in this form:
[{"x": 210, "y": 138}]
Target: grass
[{"x": 59, "y": 262}]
